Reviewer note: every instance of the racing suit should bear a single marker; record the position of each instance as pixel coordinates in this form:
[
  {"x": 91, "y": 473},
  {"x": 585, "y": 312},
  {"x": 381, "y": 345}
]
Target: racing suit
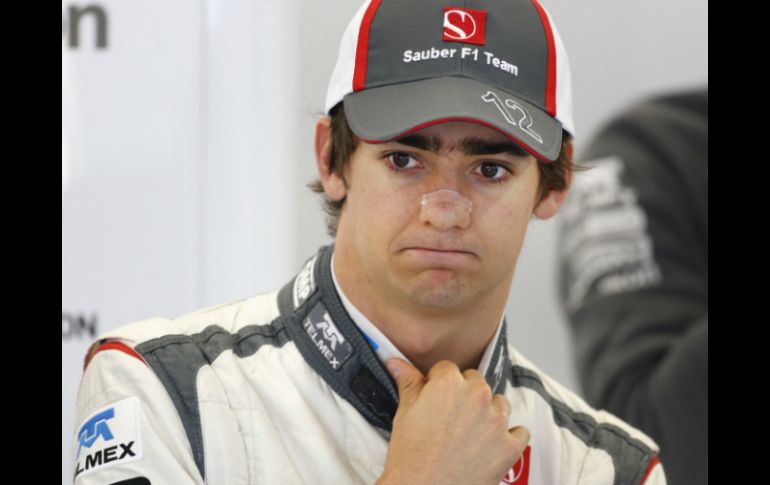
[{"x": 284, "y": 387}]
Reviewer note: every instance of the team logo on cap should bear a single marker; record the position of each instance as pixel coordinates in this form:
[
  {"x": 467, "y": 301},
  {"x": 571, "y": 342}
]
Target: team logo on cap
[{"x": 464, "y": 25}]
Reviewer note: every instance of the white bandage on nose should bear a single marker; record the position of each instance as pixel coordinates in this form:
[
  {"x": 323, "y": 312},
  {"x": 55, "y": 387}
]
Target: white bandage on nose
[{"x": 445, "y": 208}]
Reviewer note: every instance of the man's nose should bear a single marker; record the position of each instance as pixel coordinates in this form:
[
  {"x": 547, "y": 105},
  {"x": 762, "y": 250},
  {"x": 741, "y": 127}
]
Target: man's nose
[{"x": 445, "y": 209}]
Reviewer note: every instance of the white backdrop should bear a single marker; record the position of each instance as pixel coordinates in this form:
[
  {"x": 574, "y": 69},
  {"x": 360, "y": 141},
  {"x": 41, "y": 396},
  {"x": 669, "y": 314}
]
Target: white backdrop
[
  {"x": 187, "y": 142},
  {"x": 178, "y": 153}
]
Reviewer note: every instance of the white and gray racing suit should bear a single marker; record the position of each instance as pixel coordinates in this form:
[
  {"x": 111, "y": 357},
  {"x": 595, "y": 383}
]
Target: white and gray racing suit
[{"x": 284, "y": 387}]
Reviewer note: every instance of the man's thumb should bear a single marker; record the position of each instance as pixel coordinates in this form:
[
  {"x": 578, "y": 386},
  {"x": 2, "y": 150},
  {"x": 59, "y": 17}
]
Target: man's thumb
[{"x": 408, "y": 378}]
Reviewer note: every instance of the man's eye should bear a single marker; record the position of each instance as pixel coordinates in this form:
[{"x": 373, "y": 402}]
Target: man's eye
[
  {"x": 493, "y": 171},
  {"x": 400, "y": 161}
]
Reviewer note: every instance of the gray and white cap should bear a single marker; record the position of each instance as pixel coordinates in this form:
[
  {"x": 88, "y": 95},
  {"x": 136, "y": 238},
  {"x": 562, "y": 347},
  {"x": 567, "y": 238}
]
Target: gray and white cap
[{"x": 407, "y": 64}]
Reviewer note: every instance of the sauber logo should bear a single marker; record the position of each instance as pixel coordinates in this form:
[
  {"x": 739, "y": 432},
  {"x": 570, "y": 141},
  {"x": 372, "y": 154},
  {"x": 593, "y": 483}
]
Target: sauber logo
[
  {"x": 464, "y": 25},
  {"x": 519, "y": 472}
]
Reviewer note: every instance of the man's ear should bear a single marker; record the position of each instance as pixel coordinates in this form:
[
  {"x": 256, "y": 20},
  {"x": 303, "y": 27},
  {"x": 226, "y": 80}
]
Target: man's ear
[
  {"x": 333, "y": 183},
  {"x": 549, "y": 206}
]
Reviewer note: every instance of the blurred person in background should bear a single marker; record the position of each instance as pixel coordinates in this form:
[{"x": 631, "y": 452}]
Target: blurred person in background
[{"x": 634, "y": 275}]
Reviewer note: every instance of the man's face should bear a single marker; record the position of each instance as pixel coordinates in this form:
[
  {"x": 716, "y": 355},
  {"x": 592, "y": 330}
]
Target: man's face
[{"x": 416, "y": 260}]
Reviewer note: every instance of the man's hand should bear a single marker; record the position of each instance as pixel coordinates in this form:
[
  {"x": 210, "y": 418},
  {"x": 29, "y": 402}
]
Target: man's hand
[{"x": 449, "y": 428}]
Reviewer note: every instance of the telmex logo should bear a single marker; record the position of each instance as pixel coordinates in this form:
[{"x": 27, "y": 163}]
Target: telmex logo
[
  {"x": 326, "y": 337},
  {"x": 94, "y": 428},
  {"x": 330, "y": 331},
  {"x": 118, "y": 427},
  {"x": 464, "y": 25}
]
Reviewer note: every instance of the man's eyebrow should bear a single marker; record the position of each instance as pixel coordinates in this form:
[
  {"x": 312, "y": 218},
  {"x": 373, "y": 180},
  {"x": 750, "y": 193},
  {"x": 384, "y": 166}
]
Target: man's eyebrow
[{"x": 467, "y": 146}]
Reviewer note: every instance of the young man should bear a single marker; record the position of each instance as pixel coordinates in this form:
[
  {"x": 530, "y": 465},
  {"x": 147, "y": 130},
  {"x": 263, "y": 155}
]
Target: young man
[{"x": 445, "y": 138}]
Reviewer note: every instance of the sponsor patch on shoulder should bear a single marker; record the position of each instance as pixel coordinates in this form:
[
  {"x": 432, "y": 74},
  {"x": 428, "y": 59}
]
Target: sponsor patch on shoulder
[{"x": 109, "y": 437}]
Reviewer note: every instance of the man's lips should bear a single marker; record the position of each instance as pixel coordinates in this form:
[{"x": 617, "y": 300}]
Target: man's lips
[
  {"x": 429, "y": 254},
  {"x": 441, "y": 250}
]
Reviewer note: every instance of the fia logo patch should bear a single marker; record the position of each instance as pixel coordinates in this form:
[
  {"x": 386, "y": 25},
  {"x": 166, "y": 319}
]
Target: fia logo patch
[
  {"x": 464, "y": 25},
  {"x": 109, "y": 437}
]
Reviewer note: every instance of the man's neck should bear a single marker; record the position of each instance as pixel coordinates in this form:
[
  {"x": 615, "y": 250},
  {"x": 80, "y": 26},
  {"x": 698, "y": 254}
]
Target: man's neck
[{"x": 425, "y": 335}]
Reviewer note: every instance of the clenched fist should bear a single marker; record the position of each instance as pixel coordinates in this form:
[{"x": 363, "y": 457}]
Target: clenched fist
[{"x": 449, "y": 428}]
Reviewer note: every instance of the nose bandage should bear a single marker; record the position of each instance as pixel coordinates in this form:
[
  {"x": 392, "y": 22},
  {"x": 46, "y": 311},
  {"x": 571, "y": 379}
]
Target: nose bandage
[{"x": 445, "y": 208}]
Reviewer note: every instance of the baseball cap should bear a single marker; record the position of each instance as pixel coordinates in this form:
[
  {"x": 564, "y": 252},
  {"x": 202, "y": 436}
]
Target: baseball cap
[{"x": 407, "y": 64}]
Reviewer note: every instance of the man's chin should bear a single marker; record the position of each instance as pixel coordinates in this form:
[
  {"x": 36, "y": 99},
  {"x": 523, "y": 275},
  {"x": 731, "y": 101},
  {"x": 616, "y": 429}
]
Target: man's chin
[{"x": 437, "y": 288}]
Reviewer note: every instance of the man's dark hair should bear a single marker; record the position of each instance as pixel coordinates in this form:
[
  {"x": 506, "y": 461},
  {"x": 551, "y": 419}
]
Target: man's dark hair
[{"x": 553, "y": 176}]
